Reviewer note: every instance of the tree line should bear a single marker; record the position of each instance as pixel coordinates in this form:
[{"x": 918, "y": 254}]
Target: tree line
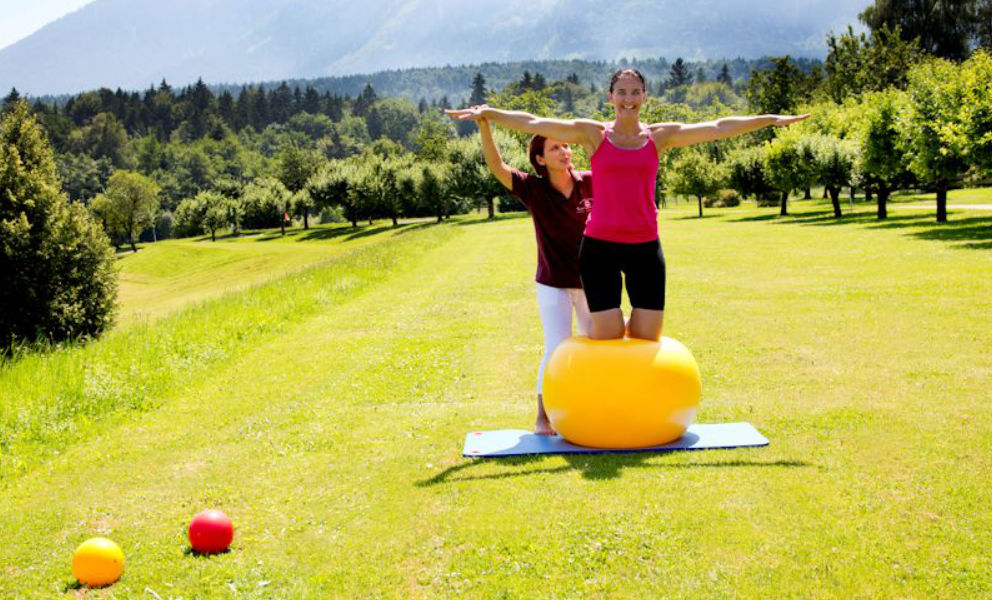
[{"x": 106, "y": 167}]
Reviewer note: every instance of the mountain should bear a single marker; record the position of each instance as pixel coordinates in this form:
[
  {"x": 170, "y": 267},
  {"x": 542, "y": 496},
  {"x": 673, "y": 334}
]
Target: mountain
[{"x": 135, "y": 43}]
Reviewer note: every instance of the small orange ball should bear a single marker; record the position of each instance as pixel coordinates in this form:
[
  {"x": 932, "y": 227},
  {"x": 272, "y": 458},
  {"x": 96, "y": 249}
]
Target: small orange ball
[{"x": 97, "y": 562}]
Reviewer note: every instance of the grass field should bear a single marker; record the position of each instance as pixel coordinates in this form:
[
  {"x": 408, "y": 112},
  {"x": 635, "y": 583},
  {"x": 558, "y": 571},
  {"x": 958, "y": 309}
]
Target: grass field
[
  {"x": 967, "y": 196},
  {"x": 179, "y": 273},
  {"x": 324, "y": 411}
]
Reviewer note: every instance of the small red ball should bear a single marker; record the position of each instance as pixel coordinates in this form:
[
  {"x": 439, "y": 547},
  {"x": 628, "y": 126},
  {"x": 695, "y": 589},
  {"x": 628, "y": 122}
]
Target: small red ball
[{"x": 210, "y": 532}]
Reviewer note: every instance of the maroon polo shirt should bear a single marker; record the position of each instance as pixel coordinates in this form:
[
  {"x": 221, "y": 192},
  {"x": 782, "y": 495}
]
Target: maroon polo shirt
[{"x": 558, "y": 224}]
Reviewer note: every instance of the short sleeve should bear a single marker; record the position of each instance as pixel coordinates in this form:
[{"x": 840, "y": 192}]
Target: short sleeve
[
  {"x": 585, "y": 183},
  {"x": 522, "y": 184}
]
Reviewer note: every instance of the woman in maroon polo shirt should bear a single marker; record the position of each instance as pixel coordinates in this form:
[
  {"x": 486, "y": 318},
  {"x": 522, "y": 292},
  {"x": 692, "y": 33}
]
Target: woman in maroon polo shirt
[{"x": 557, "y": 199}]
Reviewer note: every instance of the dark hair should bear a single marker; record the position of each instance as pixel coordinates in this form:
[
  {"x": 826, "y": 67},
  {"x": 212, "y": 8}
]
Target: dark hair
[
  {"x": 628, "y": 71},
  {"x": 535, "y": 149}
]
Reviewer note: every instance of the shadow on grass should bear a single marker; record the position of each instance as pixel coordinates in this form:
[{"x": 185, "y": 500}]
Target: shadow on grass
[
  {"x": 188, "y": 551},
  {"x": 353, "y": 233},
  {"x": 499, "y": 217},
  {"x": 76, "y": 586},
  {"x": 971, "y": 233},
  {"x": 592, "y": 466},
  {"x": 758, "y": 218},
  {"x": 695, "y": 217}
]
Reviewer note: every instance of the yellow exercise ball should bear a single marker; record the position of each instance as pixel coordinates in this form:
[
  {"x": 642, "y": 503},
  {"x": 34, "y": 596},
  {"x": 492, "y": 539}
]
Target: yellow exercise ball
[
  {"x": 97, "y": 562},
  {"x": 626, "y": 393}
]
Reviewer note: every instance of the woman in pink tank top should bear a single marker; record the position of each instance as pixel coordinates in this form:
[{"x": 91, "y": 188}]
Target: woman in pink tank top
[{"x": 621, "y": 234}]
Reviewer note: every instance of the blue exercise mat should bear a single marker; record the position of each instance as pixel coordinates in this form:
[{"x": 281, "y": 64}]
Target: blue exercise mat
[{"x": 515, "y": 442}]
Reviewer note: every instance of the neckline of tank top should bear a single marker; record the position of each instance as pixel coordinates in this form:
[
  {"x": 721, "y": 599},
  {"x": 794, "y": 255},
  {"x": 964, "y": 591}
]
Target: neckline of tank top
[{"x": 606, "y": 135}]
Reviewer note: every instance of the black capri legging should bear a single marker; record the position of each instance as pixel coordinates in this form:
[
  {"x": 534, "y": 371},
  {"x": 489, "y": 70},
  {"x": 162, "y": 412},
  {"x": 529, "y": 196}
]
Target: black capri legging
[{"x": 643, "y": 266}]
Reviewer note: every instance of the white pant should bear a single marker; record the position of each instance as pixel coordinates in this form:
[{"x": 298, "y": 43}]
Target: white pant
[{"x": 556, "y": 305}]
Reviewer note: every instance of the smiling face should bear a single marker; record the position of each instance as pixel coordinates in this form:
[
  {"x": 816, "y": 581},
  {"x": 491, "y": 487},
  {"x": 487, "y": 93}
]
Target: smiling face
[
  {"x": 557, "y": 156},
  {"x": 627, "y": 96}
]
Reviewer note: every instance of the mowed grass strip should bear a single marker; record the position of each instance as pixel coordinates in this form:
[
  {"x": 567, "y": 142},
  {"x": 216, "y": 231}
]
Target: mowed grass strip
[
  {"x": 860, "y": 351},
  {"x": 49, "y": 400},
  {"x": 172, "y": 274}
]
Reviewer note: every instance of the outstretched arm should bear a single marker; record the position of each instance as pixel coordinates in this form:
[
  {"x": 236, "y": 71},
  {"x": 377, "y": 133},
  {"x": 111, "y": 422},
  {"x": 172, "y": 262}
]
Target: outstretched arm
[
  {"x": 677, "y": 135},
  {"x": 491, "y": 153},
  {"x": 574, "y": 131}
]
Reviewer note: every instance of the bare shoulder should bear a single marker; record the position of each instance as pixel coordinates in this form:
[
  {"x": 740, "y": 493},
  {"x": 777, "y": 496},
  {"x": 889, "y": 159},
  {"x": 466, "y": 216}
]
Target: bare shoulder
[
  {"x": 662, "y": 132},
  {"x": 589, "y": 125},
  {"x": 591, "y": 130},
  {"x": 598, "y": 125}
]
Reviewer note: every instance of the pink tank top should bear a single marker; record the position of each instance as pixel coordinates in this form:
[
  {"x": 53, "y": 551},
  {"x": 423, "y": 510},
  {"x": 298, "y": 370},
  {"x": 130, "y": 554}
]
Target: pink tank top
[{"x": 623, "y": 186}]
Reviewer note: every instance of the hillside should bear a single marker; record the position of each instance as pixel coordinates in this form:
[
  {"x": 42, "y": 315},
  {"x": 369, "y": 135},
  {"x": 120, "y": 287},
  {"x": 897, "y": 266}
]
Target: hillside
[
  {"x": 134, "y": 43},
  {"x": 455, "y": 82}
]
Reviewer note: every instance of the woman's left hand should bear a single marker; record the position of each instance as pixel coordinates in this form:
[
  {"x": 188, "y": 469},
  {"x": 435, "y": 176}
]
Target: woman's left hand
[{"x": 783, "y": 120}]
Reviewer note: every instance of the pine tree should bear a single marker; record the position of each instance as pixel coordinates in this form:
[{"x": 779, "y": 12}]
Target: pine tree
[
  {"x": 225, "y": 108},
  {"x": 478, "y": 90},
  {"x": 311, "y": 101},
  {"x": 9, "y": 100},
  {"x": 724, "y": 76},
  {"x": 568, "y": 101},
  {"x": 281, "y": 103},
  {"x": 58, "y": 268},
  {"x": 679, "y": 74},
  {"x": 364, "y": 101}
]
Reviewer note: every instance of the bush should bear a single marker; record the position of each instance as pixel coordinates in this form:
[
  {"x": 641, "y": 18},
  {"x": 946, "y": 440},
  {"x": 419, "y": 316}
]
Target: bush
[
  {"x": 332, "y": 214},
  {"x": 164, "y": 225},
  {"x": 59, "y": 281},
  {"x": 263, "y": 204},
  {"x": 723, "y": 198},
  {"x": 768, "y": 199},
  {"x": 509, "y": 204},
  {"x": 189, "y": 218}
]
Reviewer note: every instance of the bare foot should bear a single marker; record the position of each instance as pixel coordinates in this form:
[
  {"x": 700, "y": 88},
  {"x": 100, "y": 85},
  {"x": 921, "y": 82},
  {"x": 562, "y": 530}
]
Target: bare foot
[{"x": 543, "y": 427}]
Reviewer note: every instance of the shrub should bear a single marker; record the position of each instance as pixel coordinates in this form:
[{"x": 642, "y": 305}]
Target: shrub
[
  {"x": 332, "y": 214},
  {"x": 723, "y": 198},
  {"x": 58, "y": 272},
  {"x": 263, "y": 203},
  {"x": 507, "y": 204},
  {"x": 768, "y": 199},
  {"x": 164, "y": 225},
  {"x": 189, "y": 218}
]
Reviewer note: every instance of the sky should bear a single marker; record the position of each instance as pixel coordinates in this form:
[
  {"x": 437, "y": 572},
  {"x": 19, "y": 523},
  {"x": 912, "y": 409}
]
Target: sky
[{"x": 21, "y": 18}]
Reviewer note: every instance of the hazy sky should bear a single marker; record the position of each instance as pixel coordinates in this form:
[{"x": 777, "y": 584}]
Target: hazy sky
[{"x": 21, "y": 18}]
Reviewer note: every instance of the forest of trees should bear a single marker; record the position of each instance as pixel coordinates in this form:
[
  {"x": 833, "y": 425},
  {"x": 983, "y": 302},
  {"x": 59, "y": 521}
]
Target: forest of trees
[
  {"x": 903, "y": 105},
  {"x": 239, "y": 149}
]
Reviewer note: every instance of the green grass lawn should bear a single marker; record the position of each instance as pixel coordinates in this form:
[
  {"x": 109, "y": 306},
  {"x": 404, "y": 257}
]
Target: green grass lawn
[
  {"x": 173, "y": 274},
  {"x": 324, "y": 411},
  {"x": 981, "y": 196}
]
